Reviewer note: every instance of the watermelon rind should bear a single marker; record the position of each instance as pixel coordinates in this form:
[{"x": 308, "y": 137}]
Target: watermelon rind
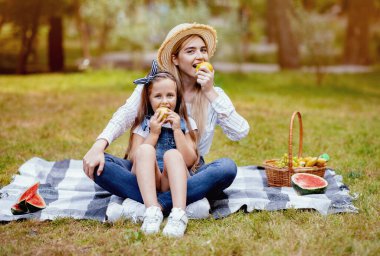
[
  {"x": 17, "y": 210},
  {"x": 302, "y": 190},
  {"x": 35, "y": 203}
]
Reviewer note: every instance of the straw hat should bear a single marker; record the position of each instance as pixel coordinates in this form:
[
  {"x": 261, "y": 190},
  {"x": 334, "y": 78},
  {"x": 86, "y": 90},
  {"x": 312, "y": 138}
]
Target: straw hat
[{"x": 207, "y": 33}]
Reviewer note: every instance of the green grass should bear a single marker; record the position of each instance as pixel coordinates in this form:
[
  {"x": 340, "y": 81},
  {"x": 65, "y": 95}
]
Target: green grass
[{"x": 58, "y": 116}]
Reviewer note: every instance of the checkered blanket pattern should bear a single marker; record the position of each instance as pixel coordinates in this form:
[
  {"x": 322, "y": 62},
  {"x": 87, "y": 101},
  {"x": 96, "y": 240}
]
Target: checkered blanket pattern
[{"x": 68, "y": 192}]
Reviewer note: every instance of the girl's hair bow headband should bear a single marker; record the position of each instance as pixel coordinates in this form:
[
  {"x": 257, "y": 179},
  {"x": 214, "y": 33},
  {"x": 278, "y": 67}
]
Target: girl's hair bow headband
[{"x": 153, "y": 72}]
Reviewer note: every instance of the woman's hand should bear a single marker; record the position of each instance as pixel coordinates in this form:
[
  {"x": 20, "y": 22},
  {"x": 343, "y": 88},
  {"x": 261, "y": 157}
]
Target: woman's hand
[
  {"x": 94, "y": 158},
  {"x": 205, "y": 78},
  {"x": 174, "y": 119},
  {"x": 155, "y": 124}
]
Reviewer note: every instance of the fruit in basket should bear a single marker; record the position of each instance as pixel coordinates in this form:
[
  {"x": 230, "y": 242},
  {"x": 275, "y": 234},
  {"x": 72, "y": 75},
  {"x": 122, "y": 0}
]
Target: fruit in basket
[
  {"x": 282, "y": 162},
  {"x": 308, "y": 161},
  {"x": 325, "y": 156},
  {"x": 311, "y": 162},
  {"x": 305, "y": 183},
  {"x": 321, "y": 162}
]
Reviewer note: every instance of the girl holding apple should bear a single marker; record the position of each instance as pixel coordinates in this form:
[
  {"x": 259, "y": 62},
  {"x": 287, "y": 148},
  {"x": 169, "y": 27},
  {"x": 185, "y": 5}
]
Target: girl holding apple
[{"x": 162, "y": 148}]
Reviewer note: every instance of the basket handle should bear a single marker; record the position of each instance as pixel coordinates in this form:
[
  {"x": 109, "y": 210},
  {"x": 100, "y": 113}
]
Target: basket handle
[{"x": 290, "y": 155}]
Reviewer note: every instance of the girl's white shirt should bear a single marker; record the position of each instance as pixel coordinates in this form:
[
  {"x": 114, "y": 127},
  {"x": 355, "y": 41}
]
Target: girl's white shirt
[{"x": 221, "y": 111}]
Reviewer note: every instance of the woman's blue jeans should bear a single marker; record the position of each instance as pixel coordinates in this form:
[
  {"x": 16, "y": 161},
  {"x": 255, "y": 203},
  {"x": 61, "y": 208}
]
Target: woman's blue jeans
[{"x": 209, "y": 181}]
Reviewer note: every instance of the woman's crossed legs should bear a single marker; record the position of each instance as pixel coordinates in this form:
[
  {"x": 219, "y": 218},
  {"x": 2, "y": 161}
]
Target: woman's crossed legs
[{"x": 209, "y": 181}]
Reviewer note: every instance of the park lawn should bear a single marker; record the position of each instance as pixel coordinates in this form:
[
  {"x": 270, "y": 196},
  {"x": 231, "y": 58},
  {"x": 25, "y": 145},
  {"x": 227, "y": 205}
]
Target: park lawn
[{"x": 58, "y": 116}]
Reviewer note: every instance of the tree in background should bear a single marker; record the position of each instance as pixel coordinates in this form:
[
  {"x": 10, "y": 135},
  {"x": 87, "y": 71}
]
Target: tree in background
[
  {"x": 288, "y": 52},
  {"x": 270, "y": 28},
  {"x": 317, "y": 37},
  {"x": 245, "y": 20},
  {"x": 102, "y": 17},
  {"x": 376, "y": 31},
  {"x": 356, "y": 49},
  {"x": 55, "y": 42},
  {"x": 138, "y": 27},
  {"x": 26, "y": 17},
  {"x": 308, "y": 4},
  {"x": 82, "y": 28},
  {"x": 98, "y": 21},
  {"x": 3, "y": 13}
]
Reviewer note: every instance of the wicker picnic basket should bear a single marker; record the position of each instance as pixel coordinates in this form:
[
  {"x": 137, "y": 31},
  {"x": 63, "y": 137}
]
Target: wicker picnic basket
[{"x": 281, "y": 177}]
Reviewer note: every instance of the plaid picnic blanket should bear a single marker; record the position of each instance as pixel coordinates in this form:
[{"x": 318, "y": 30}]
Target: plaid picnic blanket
[{"x": 68, "y": 192}]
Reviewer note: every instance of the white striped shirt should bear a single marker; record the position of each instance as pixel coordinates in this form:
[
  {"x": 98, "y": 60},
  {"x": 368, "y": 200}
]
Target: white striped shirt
[{"x": 221, "y": 111}]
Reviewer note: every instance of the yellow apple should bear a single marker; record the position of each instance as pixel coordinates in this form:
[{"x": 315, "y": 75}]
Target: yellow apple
[
  {"x": 163, "y": 113},
  {"x": 204, "y": 64}
]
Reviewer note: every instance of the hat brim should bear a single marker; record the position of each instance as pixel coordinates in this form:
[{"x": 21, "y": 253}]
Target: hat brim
[{"x": 207, "y": 33}]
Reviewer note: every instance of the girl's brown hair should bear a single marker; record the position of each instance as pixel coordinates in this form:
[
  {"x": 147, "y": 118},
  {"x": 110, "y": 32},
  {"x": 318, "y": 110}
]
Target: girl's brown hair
[{"x": 145, "y": 109}]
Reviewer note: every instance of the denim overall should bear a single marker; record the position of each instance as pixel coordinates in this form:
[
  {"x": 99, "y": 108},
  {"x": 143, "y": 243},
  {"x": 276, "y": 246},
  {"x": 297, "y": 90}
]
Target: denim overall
[{"x": 165, "y": 141}]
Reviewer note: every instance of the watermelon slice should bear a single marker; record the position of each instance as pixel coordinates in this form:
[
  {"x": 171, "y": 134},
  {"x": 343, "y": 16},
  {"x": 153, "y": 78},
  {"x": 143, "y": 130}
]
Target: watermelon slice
[
  {"x": 35, "y": 203},
  {"x": 305, "y": 184},
  {"x": 29, "y": 193},
  {"x": 29, "y": 201}
]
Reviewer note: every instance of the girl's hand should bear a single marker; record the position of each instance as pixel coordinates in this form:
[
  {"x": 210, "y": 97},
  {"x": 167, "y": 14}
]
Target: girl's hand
[
  {"x": 205, "y": 78},
  {"x": 155, "y": 124},
  {"x": 174, "y": 119}
]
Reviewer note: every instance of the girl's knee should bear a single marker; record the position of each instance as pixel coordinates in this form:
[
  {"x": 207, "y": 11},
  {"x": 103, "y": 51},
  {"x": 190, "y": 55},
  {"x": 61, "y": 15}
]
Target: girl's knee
[
  {"x": 172, "y": 154},
  {"x": 145, "y": 150},
  {"x": 173, "y": 161}
]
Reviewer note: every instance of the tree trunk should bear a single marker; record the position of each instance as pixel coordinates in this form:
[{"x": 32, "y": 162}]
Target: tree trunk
[
  {"x": 29, "y": 32},
  {"x": 288, "y": 52},
  {"x": 308, "y": 4},
  {"x": 55, "y": 42},
  {"x": 82, "y": 30},
  {"x": 270, "y": 22},
  {"x": 102, "y": 43},
  {"x": 356, "y": 49},
  {"x": 2, "y": 21},
  {"x": 245, "y": 15}
]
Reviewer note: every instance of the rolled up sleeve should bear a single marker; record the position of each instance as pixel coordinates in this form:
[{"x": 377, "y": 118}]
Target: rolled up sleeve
[{"x": 233, "y": 125}]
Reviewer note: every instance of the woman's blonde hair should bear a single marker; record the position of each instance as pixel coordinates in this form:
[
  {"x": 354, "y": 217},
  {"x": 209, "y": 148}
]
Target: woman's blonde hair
[{"x": 199, "y": 105}]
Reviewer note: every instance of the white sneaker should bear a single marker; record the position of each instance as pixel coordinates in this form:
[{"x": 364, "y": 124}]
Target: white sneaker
[
  {"x": 177, "y": 223},
  {"x": 152, "y": 220},
  {"x": 114, "y": 212},
  {"x": 129, "y": 209},
  {"x": 133, "y": 210},
  {"x": 199, "y": 209}
]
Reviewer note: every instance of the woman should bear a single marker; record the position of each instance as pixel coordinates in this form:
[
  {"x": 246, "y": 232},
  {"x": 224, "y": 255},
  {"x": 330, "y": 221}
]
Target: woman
[{"x": 185, "y": 46}]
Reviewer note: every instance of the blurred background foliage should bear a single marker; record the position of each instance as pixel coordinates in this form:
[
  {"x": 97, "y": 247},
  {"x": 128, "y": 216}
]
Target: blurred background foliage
[{"x": 70, "y": 35}]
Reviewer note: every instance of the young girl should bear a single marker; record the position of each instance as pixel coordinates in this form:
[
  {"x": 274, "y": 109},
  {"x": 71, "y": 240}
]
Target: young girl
[{"x": 162, "y": 150}]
